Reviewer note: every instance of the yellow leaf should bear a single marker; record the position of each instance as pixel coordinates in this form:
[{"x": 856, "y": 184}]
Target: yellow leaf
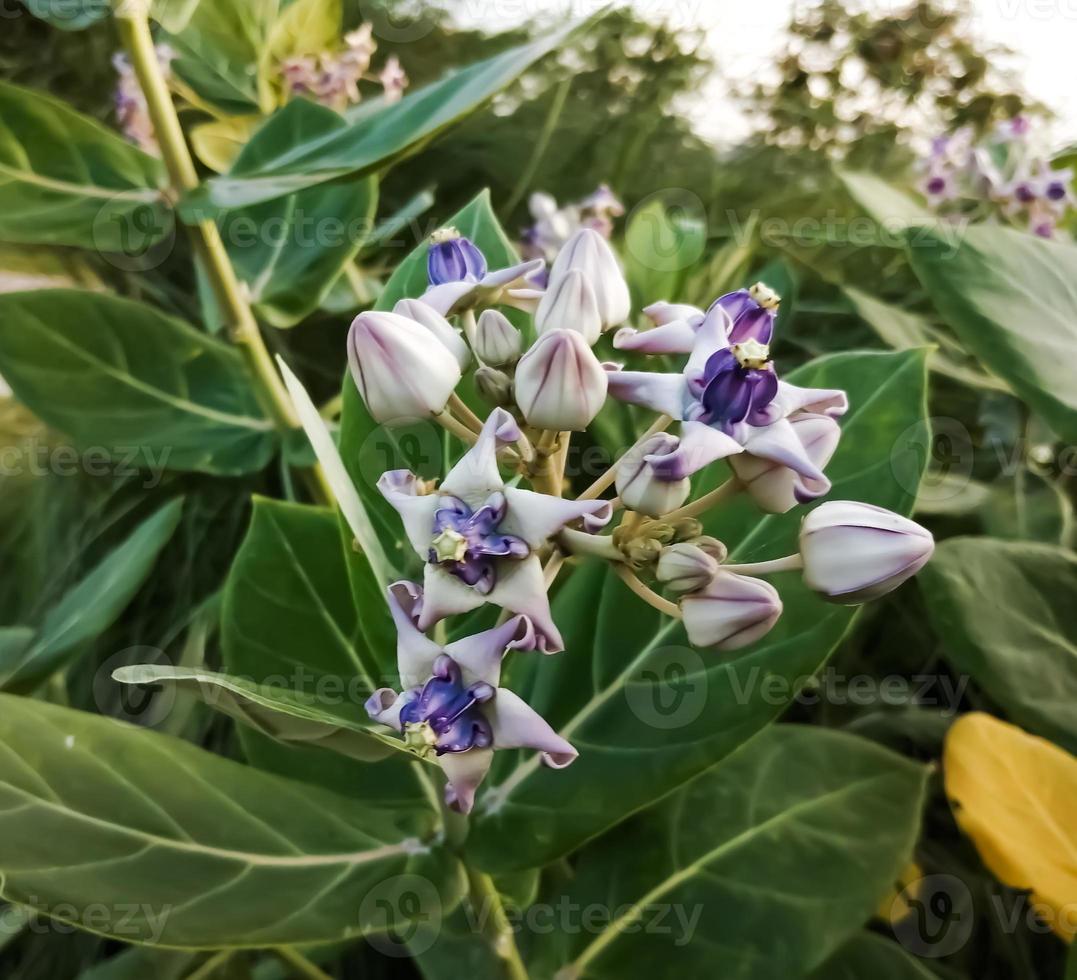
[
  {"x": 1015, "y": 795},
  {"x": 895, "y": 905},
  {"x": 217, "y": 144}
]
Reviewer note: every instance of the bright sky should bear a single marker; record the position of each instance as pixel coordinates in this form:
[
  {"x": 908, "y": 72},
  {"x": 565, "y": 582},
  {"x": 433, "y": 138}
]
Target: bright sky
[{"x": 744, "y": 36}]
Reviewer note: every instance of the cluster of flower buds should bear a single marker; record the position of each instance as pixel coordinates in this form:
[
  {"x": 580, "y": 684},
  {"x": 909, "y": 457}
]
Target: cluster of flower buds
[
  {"x": 554, "y": 226},
  {"x": 131, "y": 111},
  {"x": 332, "y": 77},
  {"x": 482, "y": 538},
  {"x": 1004, "y": 175}
]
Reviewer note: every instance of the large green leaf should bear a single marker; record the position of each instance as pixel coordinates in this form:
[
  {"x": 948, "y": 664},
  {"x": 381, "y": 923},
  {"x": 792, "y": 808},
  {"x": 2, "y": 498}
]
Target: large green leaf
[
  {"x": 1004, "y": 614},
  {"x": 166, "y": 843},
  {"x": 891, "y": 208},
  {"x": 1011, "y": 298},
  {"x": 904, "y": 330},
  {"x": 67, "y": 180},
  {"x": 92, "y": 605},
  {"x": 648, "y": 712},
  {"x": 770, "y": 862},
  {"x": 290, "y": 251},
  {"x": 870, "y": 956},
  {"x": 661, "y": 244},
  {"x": 372, "y": 141},
  {"x": 274, "y": 710},
  {"x": 370, "y": 448},
  {"x": 120, "y": 376},
  {"x": 289, "y": 620}
]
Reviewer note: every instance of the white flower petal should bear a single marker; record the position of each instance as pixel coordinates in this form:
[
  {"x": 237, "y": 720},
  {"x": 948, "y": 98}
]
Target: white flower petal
[
  {"x": 665, "y": 393},
  {"x": 400, "y": 489},
  {"x": 516, "y": 725},
  {"x": 465, "y": 772},
  {"x": 535, "y": 517}
]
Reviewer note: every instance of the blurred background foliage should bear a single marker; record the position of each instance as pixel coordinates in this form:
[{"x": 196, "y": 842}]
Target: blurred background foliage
[{"x": 850, "y": 89}]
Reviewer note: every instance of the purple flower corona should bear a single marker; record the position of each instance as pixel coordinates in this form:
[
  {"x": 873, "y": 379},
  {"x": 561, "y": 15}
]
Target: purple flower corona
[
  {"x": 465, "y": 541},
  {"x": 738, "y": 383},
  {"x": 453, "y": 258},
  {"x": 444, "y": 714},
  {"x": 753, "y": 312}
]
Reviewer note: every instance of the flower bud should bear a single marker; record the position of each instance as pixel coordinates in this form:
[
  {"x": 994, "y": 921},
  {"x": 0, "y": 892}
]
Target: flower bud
[
  {"x": 776, "y": 488},
  {"x": 560, "y": 384},
  {"x": 686, "y": 568},
  {"x": 497, "y": 341},
  {"x": 453, "y": 258},
  {"x": 730, "y": 612},
  {"x": 399, "y": 369},
  {"x": 854, "y": 552},
  {"x": 589, "y": 252},
  {"x": 569, "y": 304},
  {"x": 645, "y": 484},
  {"x": 494, "y": 385},
  {"x": 446, "y": 333}
]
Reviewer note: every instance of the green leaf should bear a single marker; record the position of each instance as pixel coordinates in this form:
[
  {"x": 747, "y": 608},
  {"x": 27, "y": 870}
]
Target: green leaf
[
  {"x": 69, "y": 15},
  {"x": 120, "y": 376},
  {"x": 170, "y": 845},
  {"x": 869, "y": 955},
  {"x": 794, "y": 838},
  {"x": 306, "y": 27},
  {"x": 371, "y": 142},
  {"x": 661, "y": 244},
  {"x": 891, "y": 208},
  {"x": 139, "y": 962},
  {"x": 370, "y": 448},
  {"x": 67, "y": 180},
  {"x": 290, "y": 251},
  {"x": 1005, "y": 614},
  {"x": 1011, "y": 298},
  {"x": 289, "y": 620},
  {"x": 275, "y": 711},
  {"x": 648, "y": 712},
  {"x": 217, "y": 52},
  {"x": 903, "y": 330},
  {"x": 93, "y": 605}
]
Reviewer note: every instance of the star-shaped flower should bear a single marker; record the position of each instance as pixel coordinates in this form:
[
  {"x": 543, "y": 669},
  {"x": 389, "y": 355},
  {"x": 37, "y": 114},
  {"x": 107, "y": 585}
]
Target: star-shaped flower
[
  {"x": 451, "y": 706},
  {"x": 480, "y": 538},
  {"x": 729, "y": 400}
]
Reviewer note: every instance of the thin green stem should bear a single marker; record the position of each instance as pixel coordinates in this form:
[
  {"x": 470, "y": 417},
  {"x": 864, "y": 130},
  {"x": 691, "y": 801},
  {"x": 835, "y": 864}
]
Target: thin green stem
[
  {"x": 300, "y": 964},
  {"x": 787, "y": 564},
  {"x": 647, "y": 594},
  {"x": 211, "y": 966},
  {"x": 593, "y": 545},
  {"x": 134, "y": 29},
  {"x": 487, "y": 904},
  {"x": 538, "y": 151},
  {"x": 706, "y": 502}
]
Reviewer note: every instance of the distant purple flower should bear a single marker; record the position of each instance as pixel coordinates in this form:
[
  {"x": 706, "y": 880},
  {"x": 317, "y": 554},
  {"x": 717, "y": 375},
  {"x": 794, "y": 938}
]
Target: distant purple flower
[{"x": 452, "y": 707}]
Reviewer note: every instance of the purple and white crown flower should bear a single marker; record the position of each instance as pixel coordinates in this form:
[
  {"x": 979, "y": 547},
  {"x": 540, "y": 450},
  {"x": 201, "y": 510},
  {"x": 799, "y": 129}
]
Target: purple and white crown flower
[
  {"x": 731, "y": 611},
  {"x": 452, "y": 708},
  {"x": 589, "y": 254},
  {"x": 480, "y": 539},
  {"x": 460, "y": 280},
  {"x": 554, "y": 226},
  {"x": 560, "y": 384},
  {"x": 729, "y": 400},
  {"x": 650, "y": 479}
]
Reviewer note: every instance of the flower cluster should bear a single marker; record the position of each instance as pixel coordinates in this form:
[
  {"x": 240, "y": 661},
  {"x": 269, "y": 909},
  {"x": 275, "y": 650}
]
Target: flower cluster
[
  {"x": 1003, "y": 176},
  {"x": 554, "y": 226},
  {"x": 483, "y": 538},
  {"x": 131, "y": 111},
  {"x": 332, "y": 77}
]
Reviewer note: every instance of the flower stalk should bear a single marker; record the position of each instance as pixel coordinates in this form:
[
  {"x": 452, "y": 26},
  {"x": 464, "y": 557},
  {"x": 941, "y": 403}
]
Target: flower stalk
[{"x": 647, "y": 594}]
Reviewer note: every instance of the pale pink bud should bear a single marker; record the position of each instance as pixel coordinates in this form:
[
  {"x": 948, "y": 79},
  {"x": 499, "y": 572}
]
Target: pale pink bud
[
  {"x": 445, "y": 332},
  {"x": 569, "y": 304},
  {"x": 560, "y": 384},
  {"x": 591, "y": 254},
  {"x": 497, "y": 341},
  {"x": 854, "y": 552},
  {"x": 650, "y": 476},
  {"x": 688, "y": 567},
  {"x": 777, "y": 488},
  {"x": 401, "y": 371},
  {"x": 731, "y": 612}
]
